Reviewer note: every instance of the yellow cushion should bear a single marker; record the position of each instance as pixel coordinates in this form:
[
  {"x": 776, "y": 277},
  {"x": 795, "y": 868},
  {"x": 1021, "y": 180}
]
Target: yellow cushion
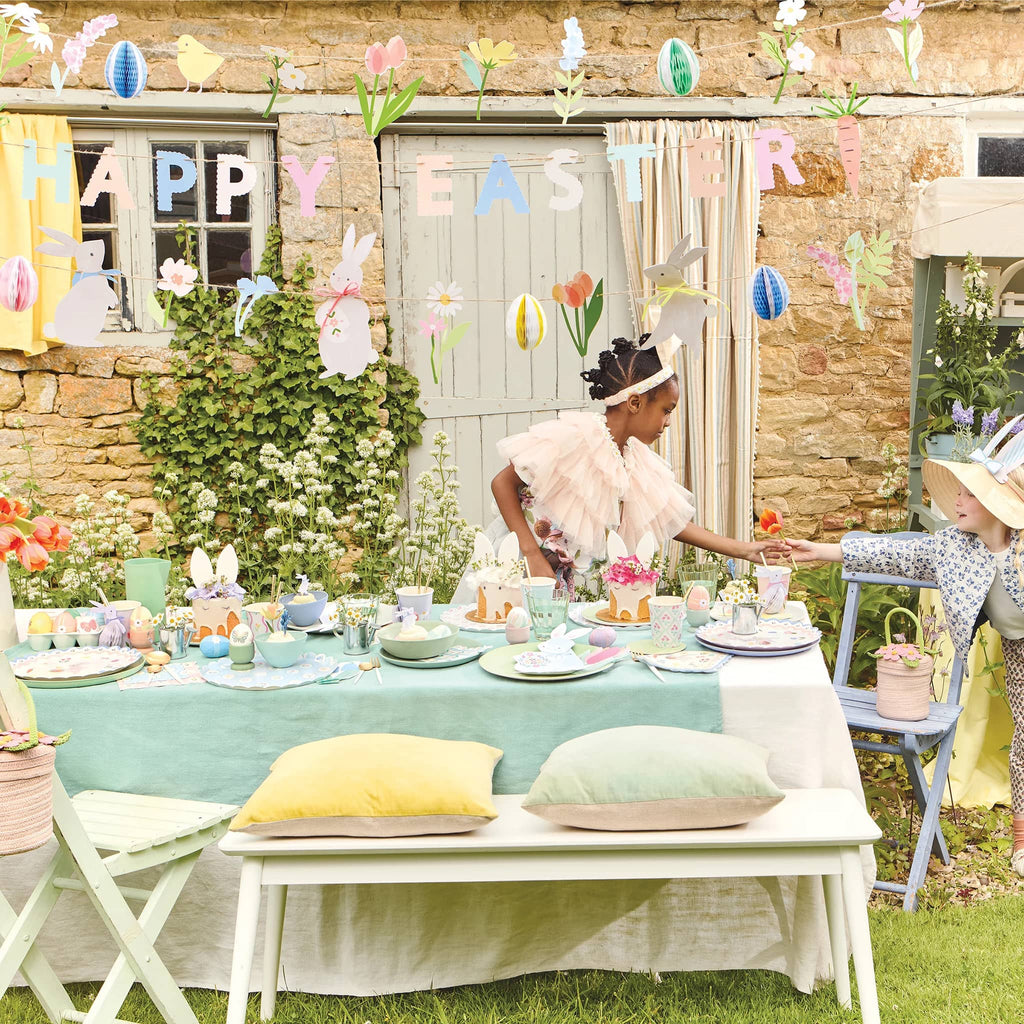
[{"x": 374, "y": 784}]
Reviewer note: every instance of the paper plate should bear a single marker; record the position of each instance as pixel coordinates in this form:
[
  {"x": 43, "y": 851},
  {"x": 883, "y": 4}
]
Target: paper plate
[
  {"x": 501, "y": 662},
  {"x": 781, "y": 636},
  {"x": 77, "y": 666},
  {"x": 457, "y": 654},
  {"x": 752, "y": 653},
  {"x": 458, "y": 616},
  {"x": 310, "y": 668},
  {"x": 646, "y": 645},
  {"x": 325, "y": 624},
  {"x": 688, "y": 661},
  {"x": 793, "y": 610},
  {"x": 587, "y": 615}
]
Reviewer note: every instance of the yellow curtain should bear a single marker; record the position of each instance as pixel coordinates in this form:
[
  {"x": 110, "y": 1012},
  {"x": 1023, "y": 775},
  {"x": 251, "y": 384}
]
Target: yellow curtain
[
  {"x": 20, "y": 221},
  {"x": 979, "y": 774}
]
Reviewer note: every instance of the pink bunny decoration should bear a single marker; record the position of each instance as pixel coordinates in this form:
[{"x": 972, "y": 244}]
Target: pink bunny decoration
[
  {"x": 81, "y": 313},
  {"x": 344, "y": 320}
]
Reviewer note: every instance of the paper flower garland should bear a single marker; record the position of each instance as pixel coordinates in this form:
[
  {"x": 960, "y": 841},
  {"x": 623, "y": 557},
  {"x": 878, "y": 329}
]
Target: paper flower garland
[
  {"x": 73, "y": 51},
  {"x": 444, "y": 303},
  {"x": 248, "y": 292},
  {"x": 577, "y": 294},
  {"x": 20, "y": 35},
  {"x": 678, "y": 68},
  {"x": 125, "y": 70},
  {"x": 796, "y": 57},
  {"x": 769, "y": 293},
  {"x": 842, "y": 110},
  {"x": 489, "y": 55},
  {"x": 869, "y": 264},
  {"x": 176, "y": 278},
  {"x": 380, "y": 58},
  {"x": 19, "y": 285},
  {"x": 572, "y": 52},
  {"x": 525, "y": 323},
  {"x": 908, "y": 41},
  {"x": 196, "y": 61},
  {"x": 285, "y": 74}
]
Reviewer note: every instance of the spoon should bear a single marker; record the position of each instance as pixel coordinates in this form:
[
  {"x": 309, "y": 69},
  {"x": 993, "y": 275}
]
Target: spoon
[{"x": 366, "y": 666}]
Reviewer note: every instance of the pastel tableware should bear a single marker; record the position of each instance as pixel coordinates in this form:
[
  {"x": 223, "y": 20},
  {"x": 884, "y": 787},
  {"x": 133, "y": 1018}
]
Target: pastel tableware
[
  {"x": 773, "y": 586},
  {"x": 40, "y": 641},
  {"x": 358, "y": 622},
  {"x": 282, "y": 652},
  {"x": 517, "y": 626},
  {"x": 668, "y": 619},
  {"x": 418, "y": 599},
  {"x": 745, "y": 617},
  {"x": 214, "y": 646},
  {"x": 547, "y": 611},
  {"x": 698, "y": 605},
  {"x": 124, "y": 610},
  {"x": 542, "y": 585},
  {"x": 304, "y": 613},
  {"x": 175, "y": 640},
  {"x": 241, "y": 648},
  {"x": 145, "y": 581},
  {"x": 439, "y": 637}
]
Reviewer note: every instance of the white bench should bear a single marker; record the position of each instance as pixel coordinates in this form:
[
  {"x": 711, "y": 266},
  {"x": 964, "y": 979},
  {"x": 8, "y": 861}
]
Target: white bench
[{"x": 811, "y": 832}]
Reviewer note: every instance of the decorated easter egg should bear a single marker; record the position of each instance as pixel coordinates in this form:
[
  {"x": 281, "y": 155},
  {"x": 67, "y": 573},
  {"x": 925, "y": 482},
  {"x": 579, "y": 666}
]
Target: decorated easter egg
[
  {"x": 698, "y": 598},
  {"x": 603, "y": 636},
  {"x": 769, "y": 293},
  {"x": 125, "y": 71},
  {"x": 241, "y": 634},
  {"x": 525, "y": 323},
  {"x": 517, "y": 626},
  {"x": 19, "y": 284},
  {"x": 140, "y": 618},
  {"x": 678, "y": 68},
  {"x": 88, "y": 624},
  {"x": 65, "y": 623},
  {"x": 40, "y": 623},
  {"x": 214, "y": 646}
]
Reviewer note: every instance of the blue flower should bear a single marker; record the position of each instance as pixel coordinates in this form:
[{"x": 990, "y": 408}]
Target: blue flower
[
  {"x": 963, "y": 417},
  {"x": 989, "y": 422},
  {"x": 731, "y": 566},
  {"x": 572, "y": 45}
]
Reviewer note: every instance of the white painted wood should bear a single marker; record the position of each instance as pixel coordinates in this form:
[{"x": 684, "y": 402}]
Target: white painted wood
[
  {"x": 856, "y": 907},
  {"x": 246, "y": 922},
  {"x": 837, "y": 937},
  {"x": 277, "y": 897},
  {"x": 487, "y": 385}
]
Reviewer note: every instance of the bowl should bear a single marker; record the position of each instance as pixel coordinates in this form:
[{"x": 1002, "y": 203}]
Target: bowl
[
  {"x": 415, "y": 650},
  {"x": 281, "y": 653},
  {"x": 40, "y": 641},
  {"x": 308, "y": 612}
]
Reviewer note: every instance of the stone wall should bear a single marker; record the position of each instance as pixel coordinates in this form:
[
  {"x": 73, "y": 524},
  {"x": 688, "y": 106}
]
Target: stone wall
[{"x": 830, "y": 396}]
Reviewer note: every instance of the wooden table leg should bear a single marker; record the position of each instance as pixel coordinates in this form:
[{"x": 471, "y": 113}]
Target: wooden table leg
[
  {"x": 246, "y": 922},
  {"x": 860, "y": 935},
  {"x": 837, "y": 937},
  {"x": 276, "y": 897}
]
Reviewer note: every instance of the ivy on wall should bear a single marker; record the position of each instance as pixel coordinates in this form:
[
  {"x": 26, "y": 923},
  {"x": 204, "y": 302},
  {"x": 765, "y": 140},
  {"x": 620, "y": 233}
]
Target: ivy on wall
[{"x": 230, "y": 395}]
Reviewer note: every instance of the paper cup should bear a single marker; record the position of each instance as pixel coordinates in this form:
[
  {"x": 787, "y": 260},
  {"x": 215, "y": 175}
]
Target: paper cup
[
  {"x": 418, "y": 599},
  {"x": 668, "y": 618},
  {"x": 773, "y": 586},
  {"x": 542, "y": 586}
]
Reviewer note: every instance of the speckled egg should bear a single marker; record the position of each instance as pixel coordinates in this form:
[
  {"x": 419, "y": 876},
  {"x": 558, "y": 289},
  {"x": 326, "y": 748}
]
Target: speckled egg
[
  {"x": 603, "y": 636},
  {"x": 40, "y": 623},
  {"x": 65, "y": 623},
  {"x": 214, "y": 646},
  {"x": 698, "y": 598}
]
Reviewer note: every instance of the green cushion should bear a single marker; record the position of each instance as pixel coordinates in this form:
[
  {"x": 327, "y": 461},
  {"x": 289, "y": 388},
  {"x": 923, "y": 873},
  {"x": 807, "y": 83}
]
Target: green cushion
[{"x": 653, "y": 777}]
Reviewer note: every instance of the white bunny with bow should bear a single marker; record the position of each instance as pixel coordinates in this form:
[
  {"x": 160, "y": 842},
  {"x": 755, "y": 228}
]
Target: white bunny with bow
[{"x": 683, "y": 307}]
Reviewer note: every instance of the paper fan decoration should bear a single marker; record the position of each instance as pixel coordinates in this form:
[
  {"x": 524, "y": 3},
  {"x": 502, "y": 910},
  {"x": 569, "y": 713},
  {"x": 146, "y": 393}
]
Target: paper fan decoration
[
  {"x": 525, "y": 323},
  {"x": 125, "y": 71},
  {"x": 19, "y": 284},
  {"x": 678, "y": 68},
  {"x": 769, "y": 293}
]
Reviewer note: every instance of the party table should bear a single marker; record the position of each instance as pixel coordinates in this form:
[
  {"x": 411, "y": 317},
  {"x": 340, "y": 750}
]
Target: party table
[{"x": 201, "y": 741}]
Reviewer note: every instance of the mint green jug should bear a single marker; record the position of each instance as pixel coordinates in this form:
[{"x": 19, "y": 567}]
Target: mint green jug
[{"x": 145, "y": 581}]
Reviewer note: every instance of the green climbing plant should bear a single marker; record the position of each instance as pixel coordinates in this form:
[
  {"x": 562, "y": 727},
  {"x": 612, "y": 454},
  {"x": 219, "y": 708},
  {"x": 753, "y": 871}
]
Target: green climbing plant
[{"x": 229, "y": 396}]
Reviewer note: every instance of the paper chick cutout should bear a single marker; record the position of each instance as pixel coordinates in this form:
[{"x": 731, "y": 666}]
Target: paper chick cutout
[
  {"x": 869, "y": 264},
  {"x": 344, "y": 319},
  {"x": 81, "y": 312},
  {"x": 843, "y": 111},
  {"x": 683, "y": 308},
  {"x": 248, "y": 292},
  {"x": 196, "y": 61}
]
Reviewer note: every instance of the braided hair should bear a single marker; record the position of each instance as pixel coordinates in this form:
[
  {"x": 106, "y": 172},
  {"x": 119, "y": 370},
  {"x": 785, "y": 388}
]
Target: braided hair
[{"x": 622, "y": 366}]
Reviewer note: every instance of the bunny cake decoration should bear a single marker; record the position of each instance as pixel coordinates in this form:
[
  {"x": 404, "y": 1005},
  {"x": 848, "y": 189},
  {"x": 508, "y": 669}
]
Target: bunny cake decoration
[
  {"x": 631, "y": 580},
  {"x": 216, "y": 596},
  {"x": 82, "y": 312},
  {"x": 344, "y": 319},
  {"x": 498, "y": 577}
]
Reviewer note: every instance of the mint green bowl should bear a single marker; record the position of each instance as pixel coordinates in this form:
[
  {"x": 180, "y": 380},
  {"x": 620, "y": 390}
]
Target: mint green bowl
[
  {"x": 281, "y": 653},
  {"x": 415, "y": 650}
]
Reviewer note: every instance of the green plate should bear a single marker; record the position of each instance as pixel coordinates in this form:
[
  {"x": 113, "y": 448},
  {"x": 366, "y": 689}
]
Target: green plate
[
  {"x": 646, "y": 646},
  {"x": 447, "y": 660},
  {"x": 67, "y": 684},
  {"x": 501, "y": 662}
]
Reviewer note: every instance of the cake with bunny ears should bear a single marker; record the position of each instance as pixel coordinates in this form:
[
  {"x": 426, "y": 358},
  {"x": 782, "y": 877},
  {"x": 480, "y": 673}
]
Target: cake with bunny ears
[
  {"x": 631, "y": 580},
  {"x": 498, "y": 577},
  {"x": 216, "y": 596}
]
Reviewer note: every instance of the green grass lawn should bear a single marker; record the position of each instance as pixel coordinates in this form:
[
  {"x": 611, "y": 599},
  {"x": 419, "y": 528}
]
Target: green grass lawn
[{"x": 961, "y": 965}]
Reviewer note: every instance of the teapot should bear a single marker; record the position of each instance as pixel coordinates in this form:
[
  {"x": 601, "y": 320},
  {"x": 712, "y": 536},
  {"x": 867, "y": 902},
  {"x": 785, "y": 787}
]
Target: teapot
[{"x": 745, "y": 616}]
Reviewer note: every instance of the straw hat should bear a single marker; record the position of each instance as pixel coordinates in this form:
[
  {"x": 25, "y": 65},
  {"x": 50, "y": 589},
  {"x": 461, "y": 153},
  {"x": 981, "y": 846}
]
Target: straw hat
[{"x": 943, "y": 480}]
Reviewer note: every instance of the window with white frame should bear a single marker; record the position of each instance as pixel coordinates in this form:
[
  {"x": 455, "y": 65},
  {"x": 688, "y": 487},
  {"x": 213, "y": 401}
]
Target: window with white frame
[
  {"x": 137, "y": 241},
  {"x": 994, "y": 146}
]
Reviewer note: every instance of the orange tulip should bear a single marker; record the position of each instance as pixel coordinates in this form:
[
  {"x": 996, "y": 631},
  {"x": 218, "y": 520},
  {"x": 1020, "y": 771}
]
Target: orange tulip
[
  {"x": 771, "y": 522},
  {"x": 10, "y": 541},
  {"x": 585, "y": 282},
  {"x": 11, "y": 509},
  {"x": 32, "y": 555},
  {"x": 50, "y": 534}
]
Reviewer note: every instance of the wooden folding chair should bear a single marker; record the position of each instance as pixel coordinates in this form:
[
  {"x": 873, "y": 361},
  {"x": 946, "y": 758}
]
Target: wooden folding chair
[
  {"x": 912, "y": 739},
  {"x": 139, "y": 832}
]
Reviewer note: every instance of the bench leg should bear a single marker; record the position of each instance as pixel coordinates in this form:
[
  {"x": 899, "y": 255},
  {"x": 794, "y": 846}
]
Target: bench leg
[
  {"x": 276, "y": 898},
  {"x": 246, "y": 922},
  {"x": 837, "y": 937},
  {"x": 860, "y": 936}
]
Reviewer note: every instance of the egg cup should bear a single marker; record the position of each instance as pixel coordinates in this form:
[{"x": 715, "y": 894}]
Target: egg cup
[{"x": 40, "y": 641}]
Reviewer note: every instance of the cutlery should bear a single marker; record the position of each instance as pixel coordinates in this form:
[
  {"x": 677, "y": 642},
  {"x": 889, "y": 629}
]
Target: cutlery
[
  {"x": 376, "y": 668},
  {"x": 653, "y": 668},
  {"x": 364, "y": 666}
]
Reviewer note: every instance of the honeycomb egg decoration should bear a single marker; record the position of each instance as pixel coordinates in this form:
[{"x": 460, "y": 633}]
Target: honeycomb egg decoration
[
  {"x": 769, "y": 293},
  {"x": 678, "y": 68}
]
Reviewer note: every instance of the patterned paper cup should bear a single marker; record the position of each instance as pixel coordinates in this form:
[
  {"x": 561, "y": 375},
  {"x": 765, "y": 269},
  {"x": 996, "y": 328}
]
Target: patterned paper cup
[{"x": 668, "y": 618}]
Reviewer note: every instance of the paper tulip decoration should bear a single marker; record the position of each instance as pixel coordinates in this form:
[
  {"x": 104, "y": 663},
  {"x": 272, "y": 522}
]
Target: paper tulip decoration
[
  {"x": 525, "y": 322},
  {"x": 126, "y": 71},
  {"x": 19, "y": 285},
  {"x": 769, "y": 293},
  {"x": 678, "y": 68}
]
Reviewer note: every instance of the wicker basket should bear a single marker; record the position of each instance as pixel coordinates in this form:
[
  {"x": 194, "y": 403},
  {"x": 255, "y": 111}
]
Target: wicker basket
[
  {"x": 26, "y": 791},
  {"x": 903, "y": 692}
]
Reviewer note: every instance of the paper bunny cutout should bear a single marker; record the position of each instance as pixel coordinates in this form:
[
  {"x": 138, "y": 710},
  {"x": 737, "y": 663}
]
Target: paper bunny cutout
[
  {"x": 646, "y": 549},
  {"x": 82, "y": 312},
  {"x": 561, "y": 642},
  {"x": 508, "y": 551},
  {"x": 202, "y": 572},
  {"x": 344, "y": 320},
  {"x": 685, "y": 308}
]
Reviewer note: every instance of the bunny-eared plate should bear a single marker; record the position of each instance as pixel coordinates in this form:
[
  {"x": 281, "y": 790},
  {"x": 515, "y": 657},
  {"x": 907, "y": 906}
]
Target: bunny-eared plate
[{"x": 501, "y": 662}]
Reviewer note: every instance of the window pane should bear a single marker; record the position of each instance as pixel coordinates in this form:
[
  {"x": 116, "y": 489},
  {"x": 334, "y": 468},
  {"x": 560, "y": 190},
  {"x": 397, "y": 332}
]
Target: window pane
[
  {"x": 1001, "y": 157},
  {"x": 184, "y": 205},
  {"x": 239, "y": 204},
  {"x": 167, "y": 248},
  {"x": 86, "y": 158},
  {"x": 228, "y": 256},
  {"x": 118, "y": 282}
]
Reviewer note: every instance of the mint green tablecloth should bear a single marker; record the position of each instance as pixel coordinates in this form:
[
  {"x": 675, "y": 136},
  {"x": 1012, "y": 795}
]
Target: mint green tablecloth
[{"x": 208, "y": 743}]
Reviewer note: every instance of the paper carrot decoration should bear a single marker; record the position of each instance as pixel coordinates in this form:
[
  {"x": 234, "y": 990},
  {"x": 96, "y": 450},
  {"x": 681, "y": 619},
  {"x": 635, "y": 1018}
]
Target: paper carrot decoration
[{"x": 843, "y": 111}]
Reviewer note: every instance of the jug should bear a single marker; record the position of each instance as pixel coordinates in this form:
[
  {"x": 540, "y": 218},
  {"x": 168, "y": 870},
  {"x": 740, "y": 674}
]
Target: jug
[
  {"x": 745, "y": 616},
  {"x": 145, "y": 580},
  {"x": 358, "y": 636},
  {"x": 176, "y": 639},
  {"x": 357, "y": 619}
]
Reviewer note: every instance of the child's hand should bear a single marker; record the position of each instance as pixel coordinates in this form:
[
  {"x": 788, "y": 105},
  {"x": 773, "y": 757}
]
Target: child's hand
[
  {"x": 538, "y": 565},
  {"x": 774, "y": 550},
  {"x": 809, "y": 551}
]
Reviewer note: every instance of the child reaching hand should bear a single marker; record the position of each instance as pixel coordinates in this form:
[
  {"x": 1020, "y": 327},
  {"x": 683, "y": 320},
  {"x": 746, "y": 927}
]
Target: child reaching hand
[
  {"x": 975, "y": 564},
  {"x": 571, "y": 480}
]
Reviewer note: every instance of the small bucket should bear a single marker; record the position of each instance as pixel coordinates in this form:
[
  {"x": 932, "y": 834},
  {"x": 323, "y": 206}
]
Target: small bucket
[{"x": 904, "y": 692}]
